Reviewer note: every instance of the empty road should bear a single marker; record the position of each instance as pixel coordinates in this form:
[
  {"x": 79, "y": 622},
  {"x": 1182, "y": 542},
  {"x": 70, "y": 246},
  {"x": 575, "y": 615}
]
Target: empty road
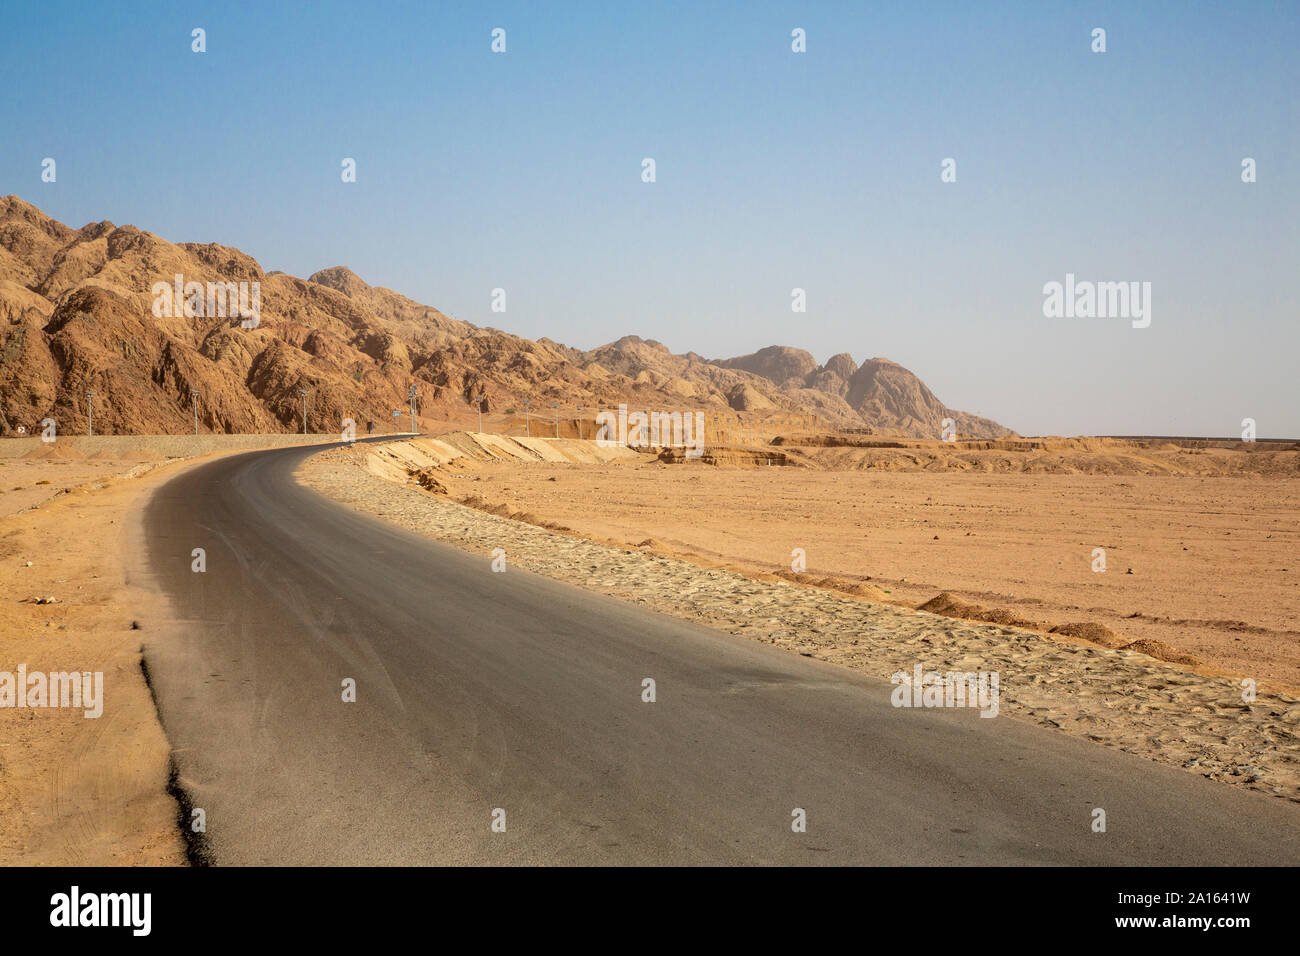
[{"x": 479, "y": 691}]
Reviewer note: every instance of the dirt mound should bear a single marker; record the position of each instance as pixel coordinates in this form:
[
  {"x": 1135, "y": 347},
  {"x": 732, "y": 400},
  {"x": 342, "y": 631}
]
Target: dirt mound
[
  {"x": 1092, "y": 632},
  {"x": 1161, "y": 652},
  {"x": 56, "y": 451},
  {"x": 427, "y": 480},
  {"x": 948, "y": 605},
  {"x": 832, "y": 583},
  {"x": 503, "y": 511}
]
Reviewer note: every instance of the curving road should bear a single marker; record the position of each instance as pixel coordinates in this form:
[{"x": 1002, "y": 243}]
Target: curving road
[{"x": 478, "y": 691}]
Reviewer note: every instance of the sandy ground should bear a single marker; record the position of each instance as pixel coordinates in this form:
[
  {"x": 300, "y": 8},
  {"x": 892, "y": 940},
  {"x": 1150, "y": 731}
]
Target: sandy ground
[
  {"x": 93, "y": 791},
  {"x": 1191, "y": 718},
  {"x": 27, "y": 483},
  {"x": 33, "y": 471},
  {"x": 76, "y": 790},
  {"x": 1214, "y": 559}
]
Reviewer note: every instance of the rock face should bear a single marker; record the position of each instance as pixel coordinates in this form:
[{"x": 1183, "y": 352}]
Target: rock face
[
  {"x": 883, "y": 391},
  {"x": 841, "y": 365},
  {"x": 882, "y": 394},
  {"x": 833, "y": 377},
  {"x": 77, "y": 315},
  {"x": 776, "y": 363},
  {"x": 746, "y": 398}
]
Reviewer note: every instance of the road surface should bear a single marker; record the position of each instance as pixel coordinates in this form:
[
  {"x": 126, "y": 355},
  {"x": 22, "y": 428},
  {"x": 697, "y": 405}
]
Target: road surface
[{"x": 479, "y": 692}]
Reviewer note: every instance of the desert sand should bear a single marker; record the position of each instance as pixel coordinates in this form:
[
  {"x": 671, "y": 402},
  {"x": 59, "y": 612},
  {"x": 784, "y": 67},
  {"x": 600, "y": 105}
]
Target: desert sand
[
  {"x": 677, "y": 537},
  {"x": 1211, "y": 537},
  {"x": 1010, "y": 531},
  {"x": 77, "y": 791}
]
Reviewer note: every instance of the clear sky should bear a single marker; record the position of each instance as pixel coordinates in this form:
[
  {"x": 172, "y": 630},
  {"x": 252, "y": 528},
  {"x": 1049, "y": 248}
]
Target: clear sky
[{"x": 775, "y": 170}]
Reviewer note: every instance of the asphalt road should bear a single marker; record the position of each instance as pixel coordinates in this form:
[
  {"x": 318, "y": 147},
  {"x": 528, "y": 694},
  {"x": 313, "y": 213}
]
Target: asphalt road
[{"x": 479, "y": 690}]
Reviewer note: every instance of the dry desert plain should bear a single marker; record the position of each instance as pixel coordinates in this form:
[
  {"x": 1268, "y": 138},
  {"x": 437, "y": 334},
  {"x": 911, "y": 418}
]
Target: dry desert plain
[
  {"x": 713, "y": 533},
  {"x": 1210, "y": 534},
  {"x": 77, "y": 791},
  {"x": 1201, "y": 544}
]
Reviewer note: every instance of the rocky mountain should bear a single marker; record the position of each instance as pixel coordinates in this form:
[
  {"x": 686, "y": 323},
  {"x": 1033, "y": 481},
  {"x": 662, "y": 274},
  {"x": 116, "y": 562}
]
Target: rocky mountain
[
  {"x": 776, "y": 363},
  {"x": 97, "y": 309},
  {"x": 885, "y": 396}
]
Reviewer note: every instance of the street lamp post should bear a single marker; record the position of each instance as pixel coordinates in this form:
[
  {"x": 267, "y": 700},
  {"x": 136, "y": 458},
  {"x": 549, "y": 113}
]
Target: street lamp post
[
  {"x": 528, "y": 428},
  {"x": 303, "y": 393},
  {"x": 194, "y": 398},
  {"x": 478, "y": 399},
  {"x": 556, "y": 406},
  {"x": 412, "y": 395},
  {"x": 90, "y": 412},
  {"x": 579, "y": 422}
]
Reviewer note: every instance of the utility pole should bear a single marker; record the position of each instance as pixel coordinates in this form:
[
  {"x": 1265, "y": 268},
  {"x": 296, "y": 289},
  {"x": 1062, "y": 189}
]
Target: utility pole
[
  {"x": 556, "y": 406},
  {"x": 528, "y": 428},
  {"x": 579, "y": 422},
  {"x": 194, "y": 397},
  {"x": 303, "y": 393},
  {"x": 90, "y": 411},
  {"x": 479, "y": 399}
]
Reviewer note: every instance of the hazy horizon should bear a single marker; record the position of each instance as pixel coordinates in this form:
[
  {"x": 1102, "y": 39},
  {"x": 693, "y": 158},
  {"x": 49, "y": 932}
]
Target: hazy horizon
[{"x": 775, "y": 170}]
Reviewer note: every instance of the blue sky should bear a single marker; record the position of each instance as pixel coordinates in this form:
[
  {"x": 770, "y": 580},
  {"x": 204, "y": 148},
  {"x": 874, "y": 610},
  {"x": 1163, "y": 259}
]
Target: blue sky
[{"x": 775, "y": 170}]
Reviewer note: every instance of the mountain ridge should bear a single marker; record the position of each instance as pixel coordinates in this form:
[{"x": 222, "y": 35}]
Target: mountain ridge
[{"x": 77, "y": 314}]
